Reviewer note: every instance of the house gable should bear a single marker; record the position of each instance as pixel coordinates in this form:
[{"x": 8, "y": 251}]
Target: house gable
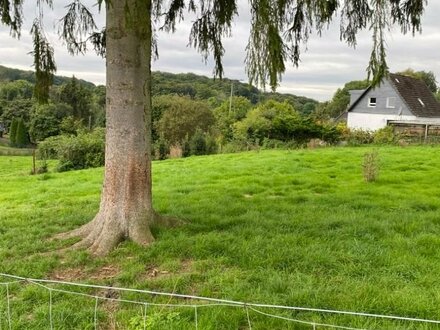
[
  {"x": 383, "y": 100},
  {"x": 399, "y": 99}
]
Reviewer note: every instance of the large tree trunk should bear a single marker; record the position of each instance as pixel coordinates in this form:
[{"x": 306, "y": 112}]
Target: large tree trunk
[{"x": 126, "y": 210}]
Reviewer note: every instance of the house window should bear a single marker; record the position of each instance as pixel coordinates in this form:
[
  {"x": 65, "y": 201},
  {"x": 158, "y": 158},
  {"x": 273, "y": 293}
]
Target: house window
[
  {"x": 391, "y": 102},
  {"x": 372, "y": 102}
]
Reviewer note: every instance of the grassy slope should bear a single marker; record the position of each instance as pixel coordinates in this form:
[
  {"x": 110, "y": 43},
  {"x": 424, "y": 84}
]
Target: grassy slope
[{"x": 278, "y": 227}]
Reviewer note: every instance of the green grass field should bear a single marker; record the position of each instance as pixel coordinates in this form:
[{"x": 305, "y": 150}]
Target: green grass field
[{"x": 296, "y": 228}]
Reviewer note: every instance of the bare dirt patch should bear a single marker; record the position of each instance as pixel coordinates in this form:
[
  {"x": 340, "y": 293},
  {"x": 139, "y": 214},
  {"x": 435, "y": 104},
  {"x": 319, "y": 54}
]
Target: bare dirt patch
[
  {"x": 68, "y": 274},
  {"x": 105, "y": 272},
  {"x": 80, "y": 273}
]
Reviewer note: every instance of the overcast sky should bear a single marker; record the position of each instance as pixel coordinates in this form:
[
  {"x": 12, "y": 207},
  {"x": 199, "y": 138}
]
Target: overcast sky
[{"x": 326, "y": 65}]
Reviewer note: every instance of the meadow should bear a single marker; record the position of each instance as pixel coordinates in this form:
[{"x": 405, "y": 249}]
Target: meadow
[{"x": 284, "y": 227}]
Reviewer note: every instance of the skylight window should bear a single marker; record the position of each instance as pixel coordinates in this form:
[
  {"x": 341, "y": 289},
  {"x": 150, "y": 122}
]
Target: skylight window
[{"x": 421, "y": 102}]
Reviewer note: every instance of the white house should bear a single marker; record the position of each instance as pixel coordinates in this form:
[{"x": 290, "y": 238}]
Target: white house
[{"x": 399, "y": 100}]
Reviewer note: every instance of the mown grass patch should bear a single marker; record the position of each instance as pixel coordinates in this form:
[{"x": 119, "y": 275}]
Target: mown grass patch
[{"x": 298, "y": 228}]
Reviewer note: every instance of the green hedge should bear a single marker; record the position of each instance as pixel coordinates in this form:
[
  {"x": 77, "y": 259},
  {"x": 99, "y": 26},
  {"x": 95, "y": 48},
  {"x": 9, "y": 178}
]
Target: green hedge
[{"x": 85, "y": 150}]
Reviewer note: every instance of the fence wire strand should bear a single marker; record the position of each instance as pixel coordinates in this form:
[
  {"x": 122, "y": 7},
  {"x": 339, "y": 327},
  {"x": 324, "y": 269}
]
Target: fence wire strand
[{"x": 203, "y": 302}]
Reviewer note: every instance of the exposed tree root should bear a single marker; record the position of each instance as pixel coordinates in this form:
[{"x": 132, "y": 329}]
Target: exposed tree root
[
  {"x": 78, "y": 232},
  {"x": 101, "y": 235}
]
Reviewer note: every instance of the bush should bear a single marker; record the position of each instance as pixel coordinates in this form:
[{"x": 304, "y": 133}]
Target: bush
[
  {"x": 272, "y": 144},
  {"x": 233, "y": 147},
  {"x": 385, "y": 136},
  {"x": 48, "y": 149},
  {"x": 186, "y": 148},
  {"x": 197, "y": 144},
  {"x": 75, "y": 152},
  {"x": 239, "y": 146},
  {"x": 161, "y": 149},
  {"x": 272, "y": 120},
  {"x": 357, "y": 137},
  {"x": 330, "y": 134},
  {"x": 279, "y": 121},
  {"x": 83, "y": 151},
  {"x": 211, "y": 145}
]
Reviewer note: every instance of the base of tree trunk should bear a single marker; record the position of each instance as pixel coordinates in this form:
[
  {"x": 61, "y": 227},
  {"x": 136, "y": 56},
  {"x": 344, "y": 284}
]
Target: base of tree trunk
[{"x": 105, "y": 232}]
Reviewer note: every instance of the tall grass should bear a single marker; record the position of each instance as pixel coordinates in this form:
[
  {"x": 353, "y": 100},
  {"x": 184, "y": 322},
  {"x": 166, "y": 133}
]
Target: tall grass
[{"x": 298, "y": 228}]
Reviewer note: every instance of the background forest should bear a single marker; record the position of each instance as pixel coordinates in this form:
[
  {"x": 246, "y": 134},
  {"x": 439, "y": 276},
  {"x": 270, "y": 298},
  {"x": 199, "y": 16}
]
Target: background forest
[{"x": 192, "y": 115}]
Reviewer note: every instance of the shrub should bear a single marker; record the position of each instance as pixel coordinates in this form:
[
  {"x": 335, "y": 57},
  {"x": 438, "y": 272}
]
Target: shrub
[
  {"x": 272, "y": 120},
  {"x": 48, "y": 149},
  {"x": 330, "y": 134},
  {"x": 239, "y": 146},
  {"x": 357, "y": 137},
  {"x": 85, "y": 150},
  {"x": 186, "y": 148},
  {"x": 233, "y": 147},
  {"x": 162, "y": 149},
  {"x": 197, "y": 144},
  {"x": 211, "y": 145},
  {"x": 279, "y": 121},
  {"x": 385, "y": 136},
  {"x": 272, "y": 144}
]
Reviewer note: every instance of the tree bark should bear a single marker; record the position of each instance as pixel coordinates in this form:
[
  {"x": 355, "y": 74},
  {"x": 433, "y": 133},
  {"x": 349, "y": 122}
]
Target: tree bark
[{"x": 126, "y": 210}]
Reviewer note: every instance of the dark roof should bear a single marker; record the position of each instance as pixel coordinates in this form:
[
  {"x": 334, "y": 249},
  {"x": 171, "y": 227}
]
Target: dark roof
[
  {"x": 351, "y": 107},
  {"x": 416, "y": 95},
  {"x": 411, "y": 90}
]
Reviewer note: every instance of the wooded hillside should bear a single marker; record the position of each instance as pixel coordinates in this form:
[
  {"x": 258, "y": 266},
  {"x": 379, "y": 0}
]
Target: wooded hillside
[{"x": 185, "y": 84}]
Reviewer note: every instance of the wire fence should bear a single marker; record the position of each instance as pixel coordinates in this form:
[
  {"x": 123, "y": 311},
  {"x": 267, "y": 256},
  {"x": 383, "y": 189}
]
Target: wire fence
[{"x": 194, "y": 304}]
